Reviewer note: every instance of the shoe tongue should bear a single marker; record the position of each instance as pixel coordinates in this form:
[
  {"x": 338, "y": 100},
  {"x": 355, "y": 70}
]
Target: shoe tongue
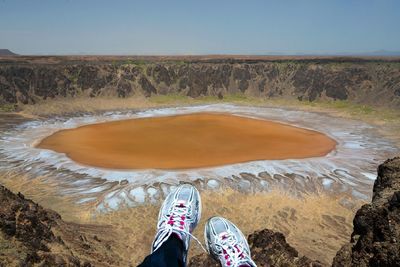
[
  {"x": 223, "y": 235},
  {"x": 181, "y": 203}
]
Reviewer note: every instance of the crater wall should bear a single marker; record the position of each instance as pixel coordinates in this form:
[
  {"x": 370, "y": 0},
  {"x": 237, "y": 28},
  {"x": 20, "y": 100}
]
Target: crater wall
[{"x": 28, "y": 80}]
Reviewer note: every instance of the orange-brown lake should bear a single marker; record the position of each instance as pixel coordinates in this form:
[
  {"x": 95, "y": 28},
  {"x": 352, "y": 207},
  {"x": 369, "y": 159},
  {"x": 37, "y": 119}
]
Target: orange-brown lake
[{"x": 186, "y": 141}]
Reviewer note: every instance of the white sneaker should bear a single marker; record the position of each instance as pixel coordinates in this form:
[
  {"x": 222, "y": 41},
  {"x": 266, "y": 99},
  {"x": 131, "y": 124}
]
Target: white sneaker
[
  {"x": 226, "y": 243},
  {"x": 179, "y": 215}
]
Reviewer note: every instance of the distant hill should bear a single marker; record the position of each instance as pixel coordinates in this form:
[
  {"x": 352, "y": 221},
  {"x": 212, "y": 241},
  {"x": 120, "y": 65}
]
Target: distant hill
[
  {"x": 377, "y": 53},
  {"x": 6, "y": 52},
  {"x": 382, "y": 53}
]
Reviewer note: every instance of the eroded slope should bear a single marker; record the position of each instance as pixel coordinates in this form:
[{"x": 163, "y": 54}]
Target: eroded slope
[{"x": 366, "y": 81}]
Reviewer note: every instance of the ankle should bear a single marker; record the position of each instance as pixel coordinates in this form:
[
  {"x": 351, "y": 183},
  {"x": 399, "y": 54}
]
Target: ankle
[{"x": 176, "y": 236}]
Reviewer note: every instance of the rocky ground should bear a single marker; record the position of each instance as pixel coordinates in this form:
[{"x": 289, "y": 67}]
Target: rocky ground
[
  {"x": 372, "y": 81},
  {"x": 31, "y": 235},
  {"x": 375, "y": 240}
]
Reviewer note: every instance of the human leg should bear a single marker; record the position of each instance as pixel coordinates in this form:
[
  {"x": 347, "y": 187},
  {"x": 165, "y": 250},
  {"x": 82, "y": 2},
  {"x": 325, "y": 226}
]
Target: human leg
[{"x": 178, "y": 216}]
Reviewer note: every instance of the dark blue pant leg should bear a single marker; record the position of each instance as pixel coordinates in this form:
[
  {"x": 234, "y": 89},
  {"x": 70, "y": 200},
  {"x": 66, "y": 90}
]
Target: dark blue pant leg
[{"x": 170, "y": 254}]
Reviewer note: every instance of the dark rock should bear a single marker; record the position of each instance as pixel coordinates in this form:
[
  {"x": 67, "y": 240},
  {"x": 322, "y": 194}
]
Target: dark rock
[
  {"x": 197, "y": 80},
  {"x": 29, "y": 229},
  {"x": 261, "y": 85},
  {"x": 45, "y": 83},
  {"x": 242, "y": 75},
  {"x": 124, "y": 88},
  {"x": 309, "y": 82},
  {"x": 7, "y": 94},
  {"x": 183, "y": 83},
  {"x": 271, "y": 249},
  {"x": 148, "y": 88},
  {"x": 312, "y": 82},
  {"x": 243, "y": 85},
  {"x": 87, "y": 76},
  {"x": 365, "y": 82},
  {"x": 376, "y": 235},
  {"x": 161, "y": 74}
]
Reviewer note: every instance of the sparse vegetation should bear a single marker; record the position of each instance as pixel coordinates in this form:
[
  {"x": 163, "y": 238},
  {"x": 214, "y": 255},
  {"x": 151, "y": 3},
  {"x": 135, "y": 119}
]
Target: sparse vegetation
[
  {"x": 179, "y": 62},
  {"x": 83, "y": 104},
  {"x": 75, "y": 76},
  {"x": 356, "y": 110},
  {"x": 7, "y": 107},
  {"x": 169, "y": 99},
  {"x": 129, "y": 62}
]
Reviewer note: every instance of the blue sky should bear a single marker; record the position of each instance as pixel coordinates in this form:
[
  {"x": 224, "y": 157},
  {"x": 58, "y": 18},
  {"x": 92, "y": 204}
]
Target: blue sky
[{"x": 199, "y": 27}]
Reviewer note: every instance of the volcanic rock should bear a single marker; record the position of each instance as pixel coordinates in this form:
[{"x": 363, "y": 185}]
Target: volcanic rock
[
  {"x": 31, "y": 235},
  {"x": 375, "y": 240},
  {"x": 365, "y": 81}
]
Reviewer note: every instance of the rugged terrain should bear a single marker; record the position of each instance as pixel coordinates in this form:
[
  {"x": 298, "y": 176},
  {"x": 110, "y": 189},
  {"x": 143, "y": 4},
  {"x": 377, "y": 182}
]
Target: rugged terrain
[
  {"x": 375, "y": 240},
  {"x": 30, "y": 235},
  {"x": 372, "y": 81}
]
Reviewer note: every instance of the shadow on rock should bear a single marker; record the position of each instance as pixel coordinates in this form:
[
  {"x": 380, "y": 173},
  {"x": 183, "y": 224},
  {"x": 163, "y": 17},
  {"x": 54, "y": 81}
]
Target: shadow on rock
[{"x": 376, "y": 235}]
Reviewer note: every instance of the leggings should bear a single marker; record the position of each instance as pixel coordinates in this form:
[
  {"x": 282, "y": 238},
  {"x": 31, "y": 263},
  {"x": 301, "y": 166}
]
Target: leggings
[{"x": 170, "y": 254}]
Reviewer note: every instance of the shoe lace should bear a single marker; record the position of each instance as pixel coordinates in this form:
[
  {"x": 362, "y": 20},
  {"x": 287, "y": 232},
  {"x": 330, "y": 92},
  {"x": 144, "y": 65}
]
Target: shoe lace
[
  {"x": 174, "y": 221},
  {"x": 233, "y": 253}
]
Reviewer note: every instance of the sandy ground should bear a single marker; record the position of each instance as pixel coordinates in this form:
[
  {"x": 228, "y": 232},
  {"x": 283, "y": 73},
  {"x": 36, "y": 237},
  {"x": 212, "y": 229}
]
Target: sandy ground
[{"x": 186, "y": 141}]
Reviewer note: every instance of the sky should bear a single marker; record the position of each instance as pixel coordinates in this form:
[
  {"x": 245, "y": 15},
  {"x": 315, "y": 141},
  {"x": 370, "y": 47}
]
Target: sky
[{"x": 117, "y": 27}]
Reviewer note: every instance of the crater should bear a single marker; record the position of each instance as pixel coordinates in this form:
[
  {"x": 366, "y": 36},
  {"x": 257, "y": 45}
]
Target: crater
[{"x": 187, "y": 141}]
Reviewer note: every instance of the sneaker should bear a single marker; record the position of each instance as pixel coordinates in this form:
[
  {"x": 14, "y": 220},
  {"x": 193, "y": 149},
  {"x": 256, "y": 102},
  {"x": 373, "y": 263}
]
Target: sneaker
[
  {"x": 179, "y": 215},
  {"x": 227, "y": 244}
]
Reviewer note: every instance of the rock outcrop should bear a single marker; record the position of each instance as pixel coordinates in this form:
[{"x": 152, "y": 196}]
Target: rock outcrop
[
  {"x": 31, "y": 235},
  {"x": 375, "y": 240},
  {"x": 28, "y": 80}
]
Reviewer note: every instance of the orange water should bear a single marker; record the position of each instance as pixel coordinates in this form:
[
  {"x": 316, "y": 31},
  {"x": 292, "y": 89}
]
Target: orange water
[{"x": 186, "y": 141}]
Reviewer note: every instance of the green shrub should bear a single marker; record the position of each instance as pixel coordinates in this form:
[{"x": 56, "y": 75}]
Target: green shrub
[{"x": 7, "y": 107}]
